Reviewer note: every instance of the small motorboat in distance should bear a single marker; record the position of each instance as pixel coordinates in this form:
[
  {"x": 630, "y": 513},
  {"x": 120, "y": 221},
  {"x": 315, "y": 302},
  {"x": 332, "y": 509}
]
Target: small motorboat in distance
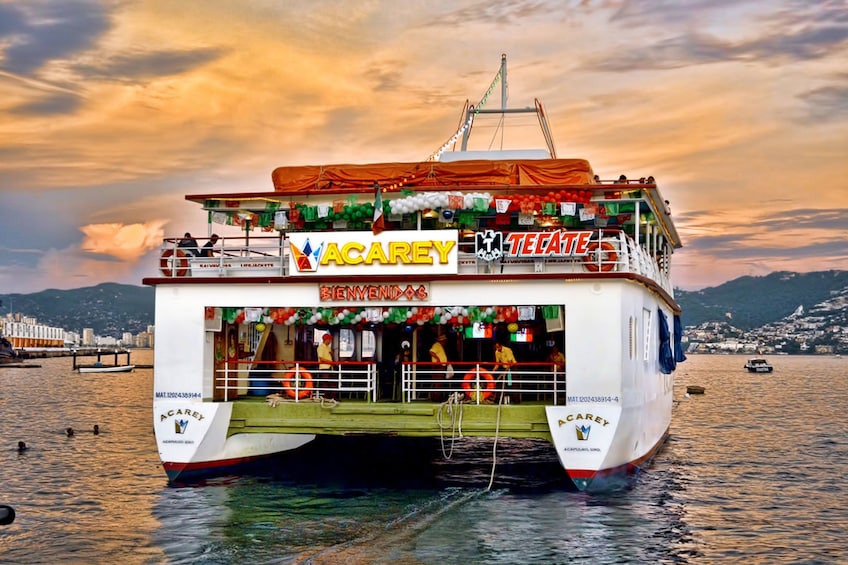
[{"x": 758, "y": 365}]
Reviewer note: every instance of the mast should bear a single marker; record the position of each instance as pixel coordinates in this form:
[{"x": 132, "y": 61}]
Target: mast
[{"x": 471, "y": 111}]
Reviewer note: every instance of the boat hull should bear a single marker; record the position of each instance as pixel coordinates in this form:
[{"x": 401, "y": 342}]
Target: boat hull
[
  {"x": 600, "y": 446},
  {"x": 194, "y": 440}
]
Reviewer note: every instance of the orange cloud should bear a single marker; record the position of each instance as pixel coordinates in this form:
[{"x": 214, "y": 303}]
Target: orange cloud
[{"x": 124, "y": 242}]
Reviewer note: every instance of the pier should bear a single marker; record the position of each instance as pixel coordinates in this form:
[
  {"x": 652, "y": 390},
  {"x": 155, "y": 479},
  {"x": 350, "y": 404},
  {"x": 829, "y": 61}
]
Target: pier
[{"x": 78, "y": 353}]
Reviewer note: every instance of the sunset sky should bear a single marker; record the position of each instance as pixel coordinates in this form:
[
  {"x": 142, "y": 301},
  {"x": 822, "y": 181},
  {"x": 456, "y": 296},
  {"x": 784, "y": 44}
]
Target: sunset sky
[{"x": 112, "y": 111}]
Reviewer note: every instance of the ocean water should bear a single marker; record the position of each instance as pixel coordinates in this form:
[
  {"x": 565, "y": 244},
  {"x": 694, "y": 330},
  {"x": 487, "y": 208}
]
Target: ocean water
[{"x": 754, "y": 471}]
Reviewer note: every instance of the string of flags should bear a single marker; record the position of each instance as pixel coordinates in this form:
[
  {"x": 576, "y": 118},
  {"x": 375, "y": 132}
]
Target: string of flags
[{"x": 570, "y": 207}]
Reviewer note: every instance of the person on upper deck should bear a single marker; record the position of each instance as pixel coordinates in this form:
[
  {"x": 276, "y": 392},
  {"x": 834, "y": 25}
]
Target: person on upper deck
[
  {"x": 189, "y": 245},
  {"x": 208, "y": 247},
  {"x": 621, "y": 180}
]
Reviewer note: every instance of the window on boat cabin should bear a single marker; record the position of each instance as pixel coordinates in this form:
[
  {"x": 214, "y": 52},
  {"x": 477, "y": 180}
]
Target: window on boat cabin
[
  {"x": 317, "y": 336},
  {"x": 632, "y": 338},
  {"x": 369, "y": 344},
  {"x": 347, "y": 344},
  {"x": 646, "y": 332}
]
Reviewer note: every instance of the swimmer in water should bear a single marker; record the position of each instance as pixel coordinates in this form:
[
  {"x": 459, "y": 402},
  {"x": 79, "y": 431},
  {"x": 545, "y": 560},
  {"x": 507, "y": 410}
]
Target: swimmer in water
[
  {"x": 22, "y": 446},
  {"x": 70, "y": 432},
  {"x": 96, "y": 429}
]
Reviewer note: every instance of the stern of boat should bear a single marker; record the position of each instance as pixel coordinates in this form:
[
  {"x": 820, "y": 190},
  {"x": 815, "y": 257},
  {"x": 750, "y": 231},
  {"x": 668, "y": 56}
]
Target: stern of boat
[
  {"x": 192, "y": 439},
  {"x": 583, "y": 435}
]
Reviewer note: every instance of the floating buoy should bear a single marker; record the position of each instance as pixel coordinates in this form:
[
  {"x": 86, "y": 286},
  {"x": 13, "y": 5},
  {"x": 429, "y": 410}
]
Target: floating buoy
[
  {"x": 7, "y": 515},
  {"x": 695, "y": 389}
]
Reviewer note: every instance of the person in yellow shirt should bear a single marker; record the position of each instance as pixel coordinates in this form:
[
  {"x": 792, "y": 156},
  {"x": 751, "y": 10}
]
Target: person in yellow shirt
[
  {"x": 505, "y": 360},
  {"x": 325, "y": 360},
  {"x": 440, "y": 358}
]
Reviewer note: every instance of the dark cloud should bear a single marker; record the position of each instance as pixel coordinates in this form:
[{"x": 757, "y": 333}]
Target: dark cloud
[
  {"x": 726, "y": 247},
  {"x": 11, "y": 20},
  {"x": 503, "y": 12},
  {"x": 827, "y": 103},
  {"x": 50, "y": 105},
  {"x": 810, "y": 218},
  {"x": 810, "y": 31},
  {"x": 387, "y": 76},
  {"x": 135, "y": 66},
  {"x": 744, "y": 240},
  {"x": 36, "y": 33}
]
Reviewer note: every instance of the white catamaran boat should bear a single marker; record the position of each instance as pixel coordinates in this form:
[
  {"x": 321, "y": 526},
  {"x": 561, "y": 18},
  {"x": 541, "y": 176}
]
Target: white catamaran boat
[{"x": 514, "y": 287}]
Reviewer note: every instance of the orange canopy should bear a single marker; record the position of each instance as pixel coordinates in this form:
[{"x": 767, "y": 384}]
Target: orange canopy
[{"x": 527, "y": 172}]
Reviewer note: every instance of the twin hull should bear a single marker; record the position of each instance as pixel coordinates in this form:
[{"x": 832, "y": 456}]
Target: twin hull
[{"x": 616, "y": 414}]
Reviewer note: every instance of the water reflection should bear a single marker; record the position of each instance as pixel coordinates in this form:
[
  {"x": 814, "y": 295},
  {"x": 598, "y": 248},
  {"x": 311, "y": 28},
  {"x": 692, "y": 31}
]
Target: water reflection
[{"x": 749, "y": 473}]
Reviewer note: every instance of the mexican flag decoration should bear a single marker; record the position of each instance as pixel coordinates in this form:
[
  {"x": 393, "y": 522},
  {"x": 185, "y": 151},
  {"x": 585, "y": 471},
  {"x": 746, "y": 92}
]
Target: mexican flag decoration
[{"x": 378, "y": 224}]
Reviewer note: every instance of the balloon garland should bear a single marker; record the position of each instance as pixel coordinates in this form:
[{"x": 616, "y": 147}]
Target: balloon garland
[{"x": 351, "y": 316}]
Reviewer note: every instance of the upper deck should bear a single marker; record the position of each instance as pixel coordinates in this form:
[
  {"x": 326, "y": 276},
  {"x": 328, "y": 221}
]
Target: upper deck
[{"x": 527, "y": 217}]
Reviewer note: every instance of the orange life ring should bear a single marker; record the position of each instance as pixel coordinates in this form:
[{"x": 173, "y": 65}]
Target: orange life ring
[
  {"x": 305, "y": 388},
  {"x": 470, "y": 379},
  {"x": 173, "y": 263},
  {"x": 608, "y": 256}
]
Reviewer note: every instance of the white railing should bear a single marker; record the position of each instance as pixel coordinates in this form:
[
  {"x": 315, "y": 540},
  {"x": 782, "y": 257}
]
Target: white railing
[
  {"x": 297, "y": 380},
  {"x": 235, "y": 257},
  {"x": 302, "y": 381},
  {"x": 613, "y": 251}
]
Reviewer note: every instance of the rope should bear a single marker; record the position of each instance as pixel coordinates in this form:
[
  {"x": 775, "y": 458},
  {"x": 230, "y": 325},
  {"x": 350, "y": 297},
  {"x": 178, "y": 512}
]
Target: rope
[
  {"x": 497, "y": 433},
  {"x": 275, "y": 399},
  {"x": 454, "y": 400}
]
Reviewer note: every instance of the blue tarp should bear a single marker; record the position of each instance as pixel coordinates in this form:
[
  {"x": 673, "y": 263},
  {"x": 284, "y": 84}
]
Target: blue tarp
[
  {"x": 666, "y": 358},
  {"x": 679, "y": 355}
]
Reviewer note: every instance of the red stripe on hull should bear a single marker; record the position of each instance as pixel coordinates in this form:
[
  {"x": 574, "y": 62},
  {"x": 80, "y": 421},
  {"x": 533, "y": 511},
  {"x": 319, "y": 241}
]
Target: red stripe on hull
[
  {"x": 184, "y": 471},
  {"x": 605, "y": 479}
]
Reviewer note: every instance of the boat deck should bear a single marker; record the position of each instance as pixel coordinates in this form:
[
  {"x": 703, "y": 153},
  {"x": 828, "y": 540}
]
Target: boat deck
[{"x": 417, "y": 419}]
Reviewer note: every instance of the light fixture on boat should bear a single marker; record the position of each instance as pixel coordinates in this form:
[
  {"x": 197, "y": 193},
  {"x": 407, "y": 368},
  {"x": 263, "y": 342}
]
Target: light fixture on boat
[{"x": 430, "y": 214}]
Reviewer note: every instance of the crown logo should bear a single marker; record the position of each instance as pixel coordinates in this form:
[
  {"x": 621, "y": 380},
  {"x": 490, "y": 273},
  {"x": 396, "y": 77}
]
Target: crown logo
[
  {"x": 180, "y": 426},
  {"x": 306, "y": 259},
  {"x": 582, "y": 432}
]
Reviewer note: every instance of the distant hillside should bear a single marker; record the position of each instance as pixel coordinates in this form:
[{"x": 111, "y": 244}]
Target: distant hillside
[
  {"x": 109, "y": 308},
  {"x": 112, "y": 309},
  {"x": 752, "y": 302}
]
